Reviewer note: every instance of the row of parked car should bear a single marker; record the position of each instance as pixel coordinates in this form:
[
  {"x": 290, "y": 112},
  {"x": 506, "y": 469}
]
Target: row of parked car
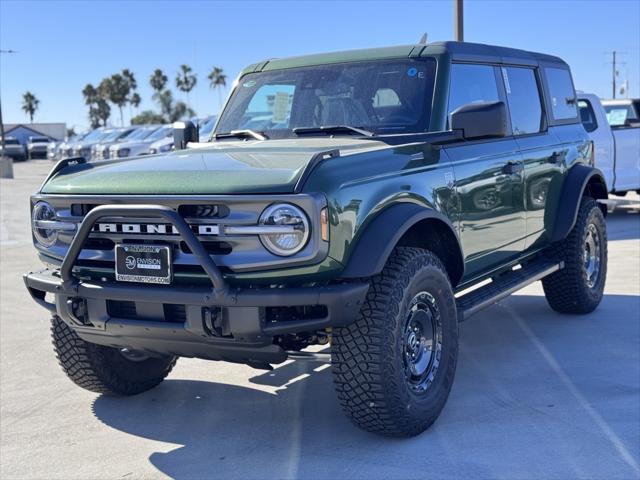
[
  {"x": 36, "y": 147},
  {"x": 105, "y": 143}
]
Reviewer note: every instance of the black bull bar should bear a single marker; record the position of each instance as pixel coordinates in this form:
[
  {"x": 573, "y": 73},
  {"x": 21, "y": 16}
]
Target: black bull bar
[{"x": 243, "y": 309}]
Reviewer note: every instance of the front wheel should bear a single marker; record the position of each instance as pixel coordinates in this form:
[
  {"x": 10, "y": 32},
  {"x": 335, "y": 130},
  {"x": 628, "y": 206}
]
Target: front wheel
[
  {"x": 103, "y": 369},
  {"x": 394, "y": 367},
  {"x": 579, "y": 286}
]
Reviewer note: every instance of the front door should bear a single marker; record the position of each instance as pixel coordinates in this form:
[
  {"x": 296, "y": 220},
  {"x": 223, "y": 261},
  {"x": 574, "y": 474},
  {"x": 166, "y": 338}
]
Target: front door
[{"x": 489, "y": 179}]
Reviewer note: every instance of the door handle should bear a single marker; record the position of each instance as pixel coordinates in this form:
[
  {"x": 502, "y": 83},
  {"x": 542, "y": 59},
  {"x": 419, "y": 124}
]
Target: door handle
[{"x": 512, "y": 168}]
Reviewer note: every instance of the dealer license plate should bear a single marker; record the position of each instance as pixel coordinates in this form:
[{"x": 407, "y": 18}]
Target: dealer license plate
[{"x": 143, "y": 263}]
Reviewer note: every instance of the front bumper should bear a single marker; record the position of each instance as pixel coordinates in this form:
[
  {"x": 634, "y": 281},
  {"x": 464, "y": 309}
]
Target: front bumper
[{"x": 214, "y": 322}]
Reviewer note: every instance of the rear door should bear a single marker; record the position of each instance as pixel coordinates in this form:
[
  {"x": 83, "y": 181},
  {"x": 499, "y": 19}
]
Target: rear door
[
  {"x": 543, "y": 157},
  {"x": 488, "y": 179}
]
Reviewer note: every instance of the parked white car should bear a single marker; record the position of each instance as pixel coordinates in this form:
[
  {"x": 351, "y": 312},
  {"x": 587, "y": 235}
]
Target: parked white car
[
  {"x": 139, "y": 141},
  {"x": 614, "y": 127}
]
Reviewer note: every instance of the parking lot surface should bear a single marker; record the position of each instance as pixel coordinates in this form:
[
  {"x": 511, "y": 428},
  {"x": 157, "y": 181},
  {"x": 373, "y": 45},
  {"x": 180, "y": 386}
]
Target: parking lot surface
[{"x": 537, "y": 395}]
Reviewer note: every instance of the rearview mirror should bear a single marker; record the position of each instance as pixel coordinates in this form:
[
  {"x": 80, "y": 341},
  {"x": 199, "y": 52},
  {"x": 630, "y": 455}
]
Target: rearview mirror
[
  {"x": 480, "y": 120},
  {"x": 183, "y": 133}
]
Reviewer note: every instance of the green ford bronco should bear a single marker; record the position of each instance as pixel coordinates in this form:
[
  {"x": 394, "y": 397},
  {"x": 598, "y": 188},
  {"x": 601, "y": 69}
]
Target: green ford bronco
[{"x": 368, "y": 200}]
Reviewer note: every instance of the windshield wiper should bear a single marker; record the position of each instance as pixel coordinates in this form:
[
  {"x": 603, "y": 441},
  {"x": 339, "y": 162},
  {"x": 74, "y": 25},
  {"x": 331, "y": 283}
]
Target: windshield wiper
[
  {"x": 333, "y": 129},
  {"x": 242, "y": 133}
]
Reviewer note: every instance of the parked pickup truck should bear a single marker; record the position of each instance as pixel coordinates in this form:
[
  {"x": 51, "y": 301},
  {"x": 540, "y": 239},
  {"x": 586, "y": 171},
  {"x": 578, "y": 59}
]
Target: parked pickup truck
[
  {"x": 614, "y": 126},
  {"x": 388, "y": 195}
]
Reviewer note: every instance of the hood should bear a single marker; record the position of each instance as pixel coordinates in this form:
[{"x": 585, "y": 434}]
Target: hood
[{"x": 271, "y": 166}]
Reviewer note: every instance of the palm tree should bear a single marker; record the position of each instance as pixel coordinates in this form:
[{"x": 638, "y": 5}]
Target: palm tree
[
  {"x": 158, "y": 80},
  {"x": 115, "y": 89},
  {"x": 217, "y": 80},
  {"x": 130, "y": 78},
  {"x": 185, "y": 80},
  {"x": 30, "y": 104},
  {"x": 99, "y": 110}
]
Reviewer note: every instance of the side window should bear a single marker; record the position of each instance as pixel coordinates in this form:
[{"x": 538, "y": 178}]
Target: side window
[
  {"x": 472, "y": 84},
  {"x": 587, "y": 116},
  {"x": 523, "y": 96},
  {"x": 561, "y": 93}
]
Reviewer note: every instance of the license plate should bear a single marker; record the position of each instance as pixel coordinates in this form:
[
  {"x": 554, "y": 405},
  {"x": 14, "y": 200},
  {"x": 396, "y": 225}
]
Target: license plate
[{"x": 143, "y": 263}]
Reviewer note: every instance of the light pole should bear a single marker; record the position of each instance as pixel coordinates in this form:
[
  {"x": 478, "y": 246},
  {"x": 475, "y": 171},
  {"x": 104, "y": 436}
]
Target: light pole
[
  {"x": 458, "y": 20},
  {"x": 2, "y": 121}
]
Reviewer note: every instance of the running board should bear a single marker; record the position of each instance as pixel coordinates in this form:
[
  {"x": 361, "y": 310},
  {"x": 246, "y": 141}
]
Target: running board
[{"x": 504, "y": 285}]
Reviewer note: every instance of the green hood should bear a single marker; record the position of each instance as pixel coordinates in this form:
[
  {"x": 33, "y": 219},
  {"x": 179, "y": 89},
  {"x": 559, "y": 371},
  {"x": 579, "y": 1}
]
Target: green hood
[{"x": 271, "y": 166}]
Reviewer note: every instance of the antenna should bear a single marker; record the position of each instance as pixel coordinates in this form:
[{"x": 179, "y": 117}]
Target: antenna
[{"x": 423, "y": 39}]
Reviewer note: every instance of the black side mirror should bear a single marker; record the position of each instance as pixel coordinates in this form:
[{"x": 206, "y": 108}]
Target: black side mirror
[
  {"x": 480, "y": 120},
  {"x": 183, "y": 133}
]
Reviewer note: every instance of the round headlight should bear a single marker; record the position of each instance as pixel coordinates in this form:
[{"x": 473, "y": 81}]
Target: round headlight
[
  {"x": 294, "y": 225},
  {"x": 45, "y": 236}
]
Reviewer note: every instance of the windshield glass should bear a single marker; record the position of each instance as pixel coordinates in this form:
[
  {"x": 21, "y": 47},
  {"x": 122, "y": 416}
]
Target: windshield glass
[
  {"x": 206, "y": 128},
  {"x": 390, "y": 96},
  {"x": 617, "y": 115},
  {"x": 39, "y": 140},
  {"x": 11, "y": 141},
  {"x": 160, "y": 133},
  {"x": 95, "y": 135},
  {"x": 140, "y": 133}
]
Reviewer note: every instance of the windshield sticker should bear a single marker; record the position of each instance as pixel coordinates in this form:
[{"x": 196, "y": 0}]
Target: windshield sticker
[
  {"x": 412, "y": 72},
  {"x": 617, "y": 116},
  {"x": 280, "y": 107},
  {"x": 249, "y": 84}
]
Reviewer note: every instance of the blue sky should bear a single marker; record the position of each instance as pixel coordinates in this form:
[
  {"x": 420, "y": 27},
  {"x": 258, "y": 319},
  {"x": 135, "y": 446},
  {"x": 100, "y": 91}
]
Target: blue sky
[{"x": 62, "y": 46}]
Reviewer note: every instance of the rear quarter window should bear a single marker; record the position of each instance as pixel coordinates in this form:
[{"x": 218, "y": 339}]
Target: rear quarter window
[
  {"x": 587, "y": 116},
  {"x": 562, "y": 96}
]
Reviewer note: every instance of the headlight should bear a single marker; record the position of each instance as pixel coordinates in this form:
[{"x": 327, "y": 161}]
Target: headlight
[
  {"x": 166, "y": 148},
  {"x": 293, "y": 224},
  {"x": 124, "y": 152},
  {"x": 42, "y": 213}
]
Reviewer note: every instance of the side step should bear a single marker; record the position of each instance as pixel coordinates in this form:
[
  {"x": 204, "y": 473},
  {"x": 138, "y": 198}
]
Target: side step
[{"x": 504, "y": 285}]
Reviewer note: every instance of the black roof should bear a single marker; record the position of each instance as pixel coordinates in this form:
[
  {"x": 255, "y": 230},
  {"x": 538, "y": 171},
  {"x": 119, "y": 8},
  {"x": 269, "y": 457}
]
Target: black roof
[{"x": 478, "y": 52}]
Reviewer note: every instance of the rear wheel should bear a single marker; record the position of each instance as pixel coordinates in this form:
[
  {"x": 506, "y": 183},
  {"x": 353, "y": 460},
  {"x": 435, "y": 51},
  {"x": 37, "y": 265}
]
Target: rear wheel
[
  {"x": 104, "y": 369},
  {"x": 393, "y": 368},
  {"x": 579, "y": 286}
]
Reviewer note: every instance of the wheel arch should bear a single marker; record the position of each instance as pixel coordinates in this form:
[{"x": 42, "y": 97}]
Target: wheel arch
[
  {"x": 580, "y": 181},
  {"x": 409, "y": 225}
]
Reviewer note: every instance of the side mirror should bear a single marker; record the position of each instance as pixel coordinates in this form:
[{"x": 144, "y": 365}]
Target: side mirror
[
  {"x": 183, "y": 133},
  {"x": 480, "y": 120}
]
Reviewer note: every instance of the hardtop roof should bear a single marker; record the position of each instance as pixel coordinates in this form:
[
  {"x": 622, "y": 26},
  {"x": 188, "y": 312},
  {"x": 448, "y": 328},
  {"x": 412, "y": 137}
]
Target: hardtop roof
[{"x": 458, "y": 51}]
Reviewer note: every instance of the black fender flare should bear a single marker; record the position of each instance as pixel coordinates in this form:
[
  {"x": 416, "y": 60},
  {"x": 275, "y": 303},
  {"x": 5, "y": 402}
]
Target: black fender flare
[
  {"x": 377, "y": 240},
  {"x": 578, "y": 180}
]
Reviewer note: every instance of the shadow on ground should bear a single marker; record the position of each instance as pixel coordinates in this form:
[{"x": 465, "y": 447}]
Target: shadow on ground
[{"x": 536, "y": 395}]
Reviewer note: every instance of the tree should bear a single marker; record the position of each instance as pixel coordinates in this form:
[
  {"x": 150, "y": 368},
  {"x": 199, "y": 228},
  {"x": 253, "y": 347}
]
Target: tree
[
  {"x": 158, "y": 80},
  {"x": 135, "y": 101},
  {"x": 115, "y": 89},
  {"x": 217, "y": 80},
  {"x": 30, "y": 104},
  {"x": 99, "y": 109},
  {"x": 133, "y": 98},
  {"x": 179, "y": 111},
  {"x": 185, "y": 80},
  {"x": 147, "y": 117}
]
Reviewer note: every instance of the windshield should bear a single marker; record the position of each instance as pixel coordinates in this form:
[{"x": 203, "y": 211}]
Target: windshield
[
  {"x": 95, "y": 135},
  {"x": 160, "y": 133},
  {"x": 39, "y": 140},
  {"x": 11, "y": 141},
  {"x": 391, "y": 96},
  {"x": 140, "y": 133},
  {"x": 206, "y": 128},
  {"x": 617, "y": 115}
]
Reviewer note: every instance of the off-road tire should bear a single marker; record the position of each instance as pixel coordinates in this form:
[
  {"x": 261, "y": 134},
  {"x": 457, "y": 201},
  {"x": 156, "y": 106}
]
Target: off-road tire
[
  {"x": 568, "y": 289},
  {"x": 367, "y": 355},
  {"x": 103, "y": 369}
]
